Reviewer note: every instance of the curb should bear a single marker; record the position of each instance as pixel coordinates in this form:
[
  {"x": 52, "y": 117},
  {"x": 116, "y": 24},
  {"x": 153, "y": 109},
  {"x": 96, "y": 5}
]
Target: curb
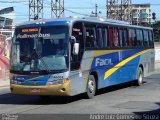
[
  {"x": 4, "y": 83},
  {"x": 2, "y": 87}
]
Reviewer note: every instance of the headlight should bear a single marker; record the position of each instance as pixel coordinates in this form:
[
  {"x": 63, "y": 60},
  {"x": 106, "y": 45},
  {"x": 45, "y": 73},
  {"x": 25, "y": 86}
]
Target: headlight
[
  {"x": 12, "y": 81},
  {"x": 55, "y": 82},
  {"x": 19, "y": 83},
  {"x": 15, "y": 82}
]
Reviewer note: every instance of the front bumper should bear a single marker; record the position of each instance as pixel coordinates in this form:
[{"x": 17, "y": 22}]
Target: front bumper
[{"x": 55, "y": 90}]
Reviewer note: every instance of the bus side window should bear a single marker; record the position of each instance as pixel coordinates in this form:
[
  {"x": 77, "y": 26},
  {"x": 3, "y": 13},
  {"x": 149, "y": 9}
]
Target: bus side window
[
  {"x": 125, "y": 38},
  {"x": 151, "y": 39},
  {"x": 99, "y": 38},
  {"x": 141, "y": 34},
  {"x": 139, "y": 38},
  {"x": 115, "y": 38},
  {"x": 146, "y": 38},
  {"x": 90, "y": 38},
  {"x": 105, "y": 37},
  {"x": 120, "y": 37},
  {"x": 134, "y": 39},
  {"x": 130, "y": 38},
  {"x": 111, "y": 37}
]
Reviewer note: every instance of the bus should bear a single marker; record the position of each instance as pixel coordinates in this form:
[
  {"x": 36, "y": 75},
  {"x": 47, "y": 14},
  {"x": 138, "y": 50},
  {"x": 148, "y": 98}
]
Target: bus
[{"x": 70, "y": 56}]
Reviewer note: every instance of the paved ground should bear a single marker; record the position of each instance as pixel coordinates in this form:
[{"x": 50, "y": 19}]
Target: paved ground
[{"x": 123, "y": 99}]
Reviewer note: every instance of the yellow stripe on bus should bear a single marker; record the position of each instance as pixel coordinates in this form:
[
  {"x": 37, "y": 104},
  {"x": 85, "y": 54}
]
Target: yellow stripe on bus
[
  {"x": 122, "y": 63},
  {"x": 34, "y": 78},
  {"x": 103, "y": 52}
]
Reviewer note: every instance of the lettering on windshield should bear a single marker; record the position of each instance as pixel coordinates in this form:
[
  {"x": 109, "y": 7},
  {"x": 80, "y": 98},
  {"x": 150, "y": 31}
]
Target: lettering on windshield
[{"x": 33, "y": 36}]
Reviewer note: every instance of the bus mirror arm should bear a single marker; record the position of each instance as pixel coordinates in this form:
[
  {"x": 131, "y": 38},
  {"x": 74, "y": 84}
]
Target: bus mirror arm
[{"x": 73, "y": 39}]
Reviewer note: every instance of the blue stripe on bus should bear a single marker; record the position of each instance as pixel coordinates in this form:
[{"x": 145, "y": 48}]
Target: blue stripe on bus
[
  {"x": 122, "y": 74},
  {"x": 30, "y": 80}
]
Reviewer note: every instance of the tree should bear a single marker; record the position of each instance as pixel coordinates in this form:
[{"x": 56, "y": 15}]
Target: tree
[{"x": 156, "y": 30}]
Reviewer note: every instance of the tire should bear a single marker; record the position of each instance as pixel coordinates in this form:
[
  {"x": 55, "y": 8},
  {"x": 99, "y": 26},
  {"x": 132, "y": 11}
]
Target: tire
[
  {"x": 91, "y": 87},
  {"x": 139, "y": 81}
]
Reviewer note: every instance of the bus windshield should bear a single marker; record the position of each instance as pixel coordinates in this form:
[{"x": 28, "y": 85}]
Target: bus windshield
[{"x": 40, "y": 49}]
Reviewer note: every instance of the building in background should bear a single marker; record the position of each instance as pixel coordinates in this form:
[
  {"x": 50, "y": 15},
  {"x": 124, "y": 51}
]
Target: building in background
[
  {"x": 141, "y": 14},
  {"x": 7, "y": 21},
  {"x": 7, "y": 25}
]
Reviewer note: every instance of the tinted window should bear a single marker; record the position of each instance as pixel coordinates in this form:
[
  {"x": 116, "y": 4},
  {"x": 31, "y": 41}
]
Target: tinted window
[
  {"x": 130, "y": 38},
  {"x": 134, "y": 41},
  {"x": 139, "y": 37},
  {"x": 111, "y": 36},
  {"x": 115, "y": 38},
  {"x": 99, "y": 37},
  {"x": 151, "y": 43},
  {"x": 120, "y": 37},
  {"x": 105, "y": 37},
  {"x": 90, "y": 37},
  {"x": 125, "y": 40},
  {"x": 146, "y": 38},
  {"x": 37, "y": 50}
]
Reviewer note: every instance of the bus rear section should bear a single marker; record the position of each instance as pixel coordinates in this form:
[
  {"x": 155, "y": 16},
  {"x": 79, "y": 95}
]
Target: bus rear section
[{"x": 114, "y": 53}]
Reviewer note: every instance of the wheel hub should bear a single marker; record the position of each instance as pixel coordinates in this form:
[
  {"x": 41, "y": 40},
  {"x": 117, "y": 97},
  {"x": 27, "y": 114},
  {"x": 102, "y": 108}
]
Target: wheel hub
[
  {"x": 140, "y": 78},
  {"x": 91, "y": 86}
]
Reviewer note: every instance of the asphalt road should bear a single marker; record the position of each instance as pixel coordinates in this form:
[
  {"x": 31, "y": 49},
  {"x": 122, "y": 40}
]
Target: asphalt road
[{"x": 122, "y": 99}]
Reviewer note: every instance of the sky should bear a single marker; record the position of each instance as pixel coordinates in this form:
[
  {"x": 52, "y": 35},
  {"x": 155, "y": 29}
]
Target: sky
[{"x": 82, "y": 6}]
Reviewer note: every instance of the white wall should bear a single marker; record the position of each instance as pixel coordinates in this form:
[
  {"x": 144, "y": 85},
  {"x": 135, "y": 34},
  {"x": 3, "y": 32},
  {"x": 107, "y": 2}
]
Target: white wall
[{"x": 157, "y": 52}]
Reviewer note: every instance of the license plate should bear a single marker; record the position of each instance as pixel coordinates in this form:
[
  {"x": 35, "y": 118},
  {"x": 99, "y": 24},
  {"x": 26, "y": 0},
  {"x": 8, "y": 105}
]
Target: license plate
[{"x": 35, "y": 90}]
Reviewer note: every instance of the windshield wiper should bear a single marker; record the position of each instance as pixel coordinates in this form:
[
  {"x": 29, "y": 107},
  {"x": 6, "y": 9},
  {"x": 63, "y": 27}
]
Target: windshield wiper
[
  {"x": 53, "y": 71},
  {"x": 35, "y": 55},
  {"x": 41, "y": 59}
]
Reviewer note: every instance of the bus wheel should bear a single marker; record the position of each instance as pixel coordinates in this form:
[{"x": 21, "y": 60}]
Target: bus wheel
[
  {"x": 140, "y": 77},
  {"x": 91, "y": 87}
]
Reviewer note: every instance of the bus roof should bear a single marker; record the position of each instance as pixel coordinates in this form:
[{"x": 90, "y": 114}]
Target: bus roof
[{"x": 67, "y": 20}]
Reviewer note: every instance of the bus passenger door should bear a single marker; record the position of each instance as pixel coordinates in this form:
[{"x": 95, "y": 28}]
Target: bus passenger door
[
  {"x": 76, "y": 73},
  {"x": 77, "y": 32}
]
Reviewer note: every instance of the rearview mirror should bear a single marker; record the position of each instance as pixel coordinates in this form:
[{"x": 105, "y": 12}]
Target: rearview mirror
[{"x": 75, "y": 48}]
